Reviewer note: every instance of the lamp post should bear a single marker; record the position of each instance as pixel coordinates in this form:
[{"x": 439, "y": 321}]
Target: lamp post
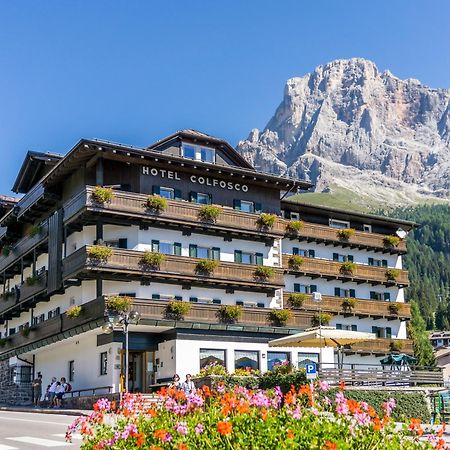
[
  {"x": 123, "y": 320},
  {"x": 317, "y": 297}
]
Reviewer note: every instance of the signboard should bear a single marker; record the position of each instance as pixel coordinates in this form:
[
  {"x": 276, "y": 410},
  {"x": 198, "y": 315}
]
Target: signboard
[{"x": 311, "y": 371}]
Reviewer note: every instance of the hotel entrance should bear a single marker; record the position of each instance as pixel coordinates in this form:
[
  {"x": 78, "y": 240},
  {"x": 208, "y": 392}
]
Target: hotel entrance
[{"x": 141, "y": 370}]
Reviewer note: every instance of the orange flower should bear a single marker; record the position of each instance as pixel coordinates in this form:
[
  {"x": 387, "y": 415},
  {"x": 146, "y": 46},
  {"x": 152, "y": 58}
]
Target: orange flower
[
  {"x": 290, "y": 434},
  {"x": 140, "y": 439},
  {"x": 376, "y": 424},
  {"x": 330, "y": 445},
  {"x": 264, "y": 414},
  {"x": 304, "y": 389},
  {"x": 353, "y": 406},
  {"x": 154, "y": 447},
  {"x": 113, "y": 405},
  {"x": 342, "y": 385},
  {"x": 226, "y": 410},
  {"x": 152, "y": 413},
  {"x": 180, "y": 395},
  {"x": 243, "y": 407},
  {"x": 206, "y": 391},
  {"x": 160, "y": 434},
  {"x": 182, "y": 446},
  {"x": 415, "y": 426},
  {"x": 289, "y": 398},
  {"x": 224, "y": 428}
]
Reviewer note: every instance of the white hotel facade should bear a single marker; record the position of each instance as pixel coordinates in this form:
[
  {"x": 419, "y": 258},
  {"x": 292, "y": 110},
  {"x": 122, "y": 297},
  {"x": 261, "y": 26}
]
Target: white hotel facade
[{"x": 45, "y": 266}]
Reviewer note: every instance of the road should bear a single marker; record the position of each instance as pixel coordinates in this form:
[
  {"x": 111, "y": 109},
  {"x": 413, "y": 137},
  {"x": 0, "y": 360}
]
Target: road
[{"x": 35, "y": 431}]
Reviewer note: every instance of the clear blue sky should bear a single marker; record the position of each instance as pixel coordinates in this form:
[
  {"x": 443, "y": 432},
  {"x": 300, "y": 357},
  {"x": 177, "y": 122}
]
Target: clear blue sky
[{"x": 135, "y": 71}]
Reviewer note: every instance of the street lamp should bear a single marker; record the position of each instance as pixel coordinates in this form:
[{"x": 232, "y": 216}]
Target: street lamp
[{"x": 123, "y": 320}]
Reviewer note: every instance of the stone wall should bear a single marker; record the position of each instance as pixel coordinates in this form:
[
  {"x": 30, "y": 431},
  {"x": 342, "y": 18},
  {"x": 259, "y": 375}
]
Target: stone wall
[{"x": 10, "y": 392}]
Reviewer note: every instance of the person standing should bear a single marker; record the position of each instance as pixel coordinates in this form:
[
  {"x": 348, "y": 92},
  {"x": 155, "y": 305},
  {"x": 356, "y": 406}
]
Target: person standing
[
  {"x": 37, "y": 390},
  {"x": 188, "y": 385},
  {"x": 59, "y": 393},
  {"x": 51, "y": 393}
]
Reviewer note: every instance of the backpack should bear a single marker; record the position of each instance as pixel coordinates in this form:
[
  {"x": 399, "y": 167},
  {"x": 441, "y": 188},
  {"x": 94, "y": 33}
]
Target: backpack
[{"x": 68, "y": 387}]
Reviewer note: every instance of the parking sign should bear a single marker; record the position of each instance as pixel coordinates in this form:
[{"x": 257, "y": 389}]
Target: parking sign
[{"x": 311, "y": 371}]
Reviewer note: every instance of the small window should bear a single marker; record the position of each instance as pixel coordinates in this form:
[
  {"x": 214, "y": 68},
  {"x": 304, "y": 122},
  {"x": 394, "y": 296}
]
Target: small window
[
  {"x": 339, "y": 224},
  {"x": 208, "y": 155},
  {"x": 307, "y": 358},
  {"x": 248, "y": 360},
  {"x": 212, "y": 356},
  {"x": 166, "y": 248},
  {"x": 197, "y": 153},
  {"x": 247, "y": 206},
  {"x": 203, "y": 199},
  {"x": 247, "y": 258},
  {"x": 304, "y": 288},
  {"x": 71, "y": 370},
  {"x": 342, "y": 258},
  {"x": 168, "y": 193},
  {"x": 367, "y": 228},
  {"x": 277, "y": 358},
  {"x": 104, "y": 363},
  {"x": 189, "y": 151}
]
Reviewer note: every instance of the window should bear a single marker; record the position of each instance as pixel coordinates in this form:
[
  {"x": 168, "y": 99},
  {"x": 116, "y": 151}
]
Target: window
[
  {"x": 103, "y": 363},
  {"x": 367, "y": 228},
  {"x": 71, "y": 370},
  {"x": 338, "y": 292},
  {"x": 342, "y": 258},
  {"x": 195, "y": 251},
  {"x": 339, "y": 224},
  {"x": 340, "y": 326},
  {"x": 303, "y": 252},
  {"x": 200, "y": 198},
  {"x": 246, "y": 206},
  {"x": 189, "y": 151},
  {"x": 117, "y": 243},
  {"x": 168, "y": 248},
  {"x": 211, "y": 356},
  {"x": 277, "y": 358},
  {"x": 304, "y": 288},
  {"x": 295, "y": 216},
  {"x": 307, "y": 358},
  {"x": 378, "y": 262},
  {"x": 205, "y": 154},
  {"x": 246, "y": 359},
  {"x": 382, "y": 332},
  {"x": 168, "y": 193},
  {"x": 248, "y": 258},
  {"x": 380, "y": 296}
]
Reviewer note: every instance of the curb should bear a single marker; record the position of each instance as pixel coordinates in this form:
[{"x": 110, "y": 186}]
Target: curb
[{"x": 60, "y": 412}]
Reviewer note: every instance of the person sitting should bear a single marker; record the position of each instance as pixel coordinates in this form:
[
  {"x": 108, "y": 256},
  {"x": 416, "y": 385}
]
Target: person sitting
[
  {"x": 188, "y": 386},
  {"x": 175, "y": 383}
]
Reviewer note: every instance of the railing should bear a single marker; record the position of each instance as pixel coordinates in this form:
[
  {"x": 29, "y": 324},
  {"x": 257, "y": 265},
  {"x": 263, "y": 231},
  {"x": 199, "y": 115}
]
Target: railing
[
  {"x": 128, "y": 262},
  {"x": 177, "y": 212},
  {"x": 381, "y": 346},
  {"x": 360, "y": 239},
  {"x": 30, "y": 198},
  {"x": 89, "y": 391},
  {"x": 332, "y": 270},
  {"x": 363, "y": 307}
]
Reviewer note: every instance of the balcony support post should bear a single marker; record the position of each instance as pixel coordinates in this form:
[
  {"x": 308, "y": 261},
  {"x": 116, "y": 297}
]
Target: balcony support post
[
  {"x": 34, "y": 262},
  {"x": 99, "y": 231},
  {"x": 21, "y": 270},
  {"x": 99, "y": 172},
  {"x": 99, "y": 287}
]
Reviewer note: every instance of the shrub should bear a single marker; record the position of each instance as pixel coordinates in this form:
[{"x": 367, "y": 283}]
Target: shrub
[
  {"x": 152, "y": 260},
  {"x": 206, "y": 266},
  {"x": 99, "y": 253},
  {"x": 345, "y": 234},
  {"x": 296, "y": 300},
  {"x": 177, "y": 309},
  {"x": 102, "y": 195},
  {"x": 396, "y": 346},
  {"x": 295, "y": 262},
  {"x": 209, "y": 213},
  {"x": 6, "y": 250},
  {"x": 156, "y": 203},
  {"x": 279, "y": 317},
  {"x": 25, "y": 331},
  {"x": 212, "y": 369},
  {"x": 229, "y": 313},
  {"x": 3, "y": 342},
  {"x": 31, "y": 281},
  {"x": 266, "y": 220},
  {"x": 246, "y": 372},
  {"x": 271, "y": 379},
  {"x": 394, "y": 308},
  {"x": 392, "y": 274},
  {"x": 34, "y": 231},
  {"x": 347, "y": 268},
  {"x": 294, "y": 226},
  {"x": 349, "y": 303},
  {"x": 263, "y": 273},
  {"x": 321, "y": 319},
  {"x": 118, "y": 304},
  {"x": 74, "y": 311},
  {"x": 391, "y": 241}
]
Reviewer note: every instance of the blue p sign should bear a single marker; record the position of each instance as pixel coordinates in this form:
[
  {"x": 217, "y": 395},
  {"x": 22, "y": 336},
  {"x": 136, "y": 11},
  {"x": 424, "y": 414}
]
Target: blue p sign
[{"x": 311, "y": 371}]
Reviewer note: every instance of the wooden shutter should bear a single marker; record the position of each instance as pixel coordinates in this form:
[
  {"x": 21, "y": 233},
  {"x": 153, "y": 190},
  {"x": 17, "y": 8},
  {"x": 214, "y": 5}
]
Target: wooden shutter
[
  {"x": 296, "y": 287},
  {"x": 177, "y": 194},
  {"x": 155, "y": 246},
  {"x": 370, "y": 261},
  {"x": 237, "y": 256},
  {"x": 338, "y": 326},
  {"x": 259, "y": 259},
  {"x": 192, "y": 250},
  {"x": 123, "y": 243},
  {"x": 312, "y": 288},
  {"x": 373, "y": 295},
  {"x": 156, "y": 190},
  {"x": 258, "y": 208},
  {"x": 387, "y": 296},
  {"x": 350, "y": 258},
  {"x": 156, "y": 296},
  {"x": 388, "y": 332},
  {"x": 311, "y": 253},
  {"x": 295, "y": 250},
  {"x": 193, "y": 197},
  {"x": 217, "y": 301},
  {"x": 354, "y": 328},
  {"x": 335, "y": 257},
  {"x": 260, "y": 305},
  {"x": 337, "y": 292},
  {"x": 237, "y": 204},
  {"x": 239, "y": 303},
  {"x": 178, "y": 298},
  {"x": 384, "y": 263},
  {"x": 352, "y": 293},
  {"x": 215, "y": 253},
  {"x": 177, "y": 248},
  {"x": 193, "y": 299}
]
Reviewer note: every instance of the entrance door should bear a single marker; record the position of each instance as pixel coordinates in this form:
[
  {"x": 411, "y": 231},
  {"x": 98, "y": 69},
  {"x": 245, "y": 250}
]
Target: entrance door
[{"x": 136, "y": 372}]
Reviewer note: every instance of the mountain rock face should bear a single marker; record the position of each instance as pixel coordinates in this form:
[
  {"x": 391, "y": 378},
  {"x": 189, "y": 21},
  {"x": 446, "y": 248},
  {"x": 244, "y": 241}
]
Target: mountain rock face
[{"x": 348, "y": 125}]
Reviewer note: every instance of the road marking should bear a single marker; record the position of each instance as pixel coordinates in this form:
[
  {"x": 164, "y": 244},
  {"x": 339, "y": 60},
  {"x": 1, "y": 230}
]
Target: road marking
[
  {"x": 34, "y": 421},
  {"x": 7, "y": 447},
  {"x": 74, "y": 436},
  {"x": 39, "y": 441}
]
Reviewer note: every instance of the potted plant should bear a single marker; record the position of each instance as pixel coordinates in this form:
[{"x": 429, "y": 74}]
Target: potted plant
[
  {"x": 31, "y": 280},
  {"x": 391, "y": 241},
  {"x": 152, "y": 260},
  {"x": 294, "y": 226},
  {"x": 156, "y": 203},
  {"x": 118, "y": 304},
  {"x": 348, "y": 304},
  {"x": 345, "y": 234},
  {"x": 266, "y": 220},
  {"x": 229, "y": 313},
  {"x": 6, "y": 250},
  {"x": 347, "y": 268},
  {"x": 177, "y": 309},
  {"x": 396, "y": 346},
  {"x": 296, "y": 300},
  {"x": 279, "y": 317},
  {"x": 99, "y": 253},
  {"x": 394, "y": 308},
  {"x": 392, "y": 274},
  {"x": 209, "y": 213},
  {"x": 74, "y": 311},
  {"x": 102, "y": 194},
  {"x": 206, "y": 266},
  {"x": 263, "y": 273},
  {"x": 3, "y": 342},
  {"x": 295, "y": 261},
  {"x": 7, "y": 295},
  {"x": 34, "y": 231},
  {"x": 25, "y": 331},
  {"x": 321, "y": 319}
]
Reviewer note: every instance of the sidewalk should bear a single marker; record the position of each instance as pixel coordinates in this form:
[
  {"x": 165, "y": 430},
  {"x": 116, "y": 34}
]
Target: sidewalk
[{"x": 59, "y": 411}]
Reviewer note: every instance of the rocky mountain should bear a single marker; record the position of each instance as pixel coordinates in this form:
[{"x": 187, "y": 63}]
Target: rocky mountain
[{"x": 347, "y": 125}]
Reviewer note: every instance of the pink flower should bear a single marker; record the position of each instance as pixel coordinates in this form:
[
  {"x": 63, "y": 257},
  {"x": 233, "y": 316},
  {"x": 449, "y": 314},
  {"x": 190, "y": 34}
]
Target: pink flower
[
  {"x": 181, "y": 427},
  {"x": 389, "y": 406},
  {"x": 199, "y": 428},
  {"x": 324, "y": 386}
]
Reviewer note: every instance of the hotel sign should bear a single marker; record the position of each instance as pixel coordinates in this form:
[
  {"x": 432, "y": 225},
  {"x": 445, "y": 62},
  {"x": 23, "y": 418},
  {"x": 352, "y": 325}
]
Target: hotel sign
[{"x": 207, "y": 181}]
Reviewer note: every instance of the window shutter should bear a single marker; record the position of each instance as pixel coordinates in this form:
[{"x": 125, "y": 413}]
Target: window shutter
[
  {"x": 375, "y": 330},
  {"x": 58, "y": 311},
  {"x": 338, "y": 326},
  {"x": 312, "y": 253},
  {"x": 156, "y": 296},
  {"x": 258, "y": 207},
  {"x": 177, "y": 194},
  {"x": 177, "y": 248},
  {"x": 193, "y": 299},
  {"x": 296, "y": 287},
  {"x": 179, "y": 298},
  {"x": 192, "y": 250},
  {"x": 239, "y": 303},
  {"x": 217, "y": 301},
  {"x": 287, "y": 214},
  {"x": 352, "y": 293},
  {"x": 155, "y": 246},
  {"x": 237, "y": 204},
  {"x": 259, "y": 259},
  {"x": 354, "y": 328},
  {"x": 295, "y": 250},
  {"x": 123, "y": 243},
  {"x": 215, "y": 253},
  {"x": 193, "y": 197},
  {"x": 312, "y": 288},
  {"x": 337, "y": 292},
  {"x": 350, "y": 258},
  {"x": 384, "y": 263},
  {"x": 209, "y": 199},
  {"x": 388, "y": 332},
  {"x": 370, "y": 261},
  {"x": 335, "y": 257},
  {"x": 373, "y": 295},
  {"x": 260, "y": 305},
  {"x": 387, "y": 296},
  {"x": 237, "y": 256},
  {"x": 156, "y": 190}
]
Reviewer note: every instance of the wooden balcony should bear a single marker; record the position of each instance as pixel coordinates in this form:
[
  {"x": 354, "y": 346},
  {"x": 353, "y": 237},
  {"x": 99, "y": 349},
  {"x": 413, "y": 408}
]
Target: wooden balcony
[
  {"x": 132, "y": 206},
  {"x": 312, "y": 232},
  {"x": 375, "y": 309},
  {"x": 126, "y": 264},
  {"x": 381, "y": 347},
  {"x": 331, "y": 270}
]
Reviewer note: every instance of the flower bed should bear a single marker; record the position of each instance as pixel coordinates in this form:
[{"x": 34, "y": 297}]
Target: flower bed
[{"x": 311, "y": 417}]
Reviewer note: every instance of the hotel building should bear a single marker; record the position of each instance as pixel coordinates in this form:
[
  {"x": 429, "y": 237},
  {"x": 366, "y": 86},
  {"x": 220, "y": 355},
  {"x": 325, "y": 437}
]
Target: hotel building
[{"x": 50, "y": 263}]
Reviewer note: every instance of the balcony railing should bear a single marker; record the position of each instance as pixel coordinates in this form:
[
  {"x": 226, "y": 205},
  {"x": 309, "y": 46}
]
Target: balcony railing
[
  {"x": 360, "y": 239},
  {"x": 175, "y": 268},
  {"x": 363, "y": 308},
  {"x": 129, "y": 205},
  {"x": 382, "y": 347},
  {"x": 321, "y": 268}
]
